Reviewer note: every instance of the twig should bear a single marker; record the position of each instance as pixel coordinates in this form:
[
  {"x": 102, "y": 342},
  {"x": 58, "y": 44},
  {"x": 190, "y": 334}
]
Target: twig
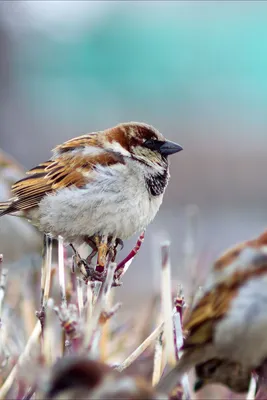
[
  {"x": 11, "y": 377},
  {"x": 48, "y": 268},
  {"x": 80, "y": 295},
  {"x": 252, "y": 389},
  {"x": 166, "y": 299},
  {"x": 61, "y": 271},
  {"x": 125, "y": 263},
  {"x": 45, "y": 278},
  {"x": 43, "y": 268},
  {"x": 96, "y": 286},
  {"x": 157, "y": 369},
  {"x": 179, "y": 340},
  {"x": 30, "y": 392},
  {"x": 49, "y": 347},
  {"x": 89, "y": 302},
  {"x": 184, "y": 391},
  {"x": 100, "y": 304},
  {"x": 140, "y": 349},
  {"x": 3, "y": 281}
]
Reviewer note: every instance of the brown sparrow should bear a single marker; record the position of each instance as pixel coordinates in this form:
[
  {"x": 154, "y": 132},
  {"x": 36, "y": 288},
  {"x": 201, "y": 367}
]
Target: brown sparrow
[
  {"x": 106, "y": 184},
  {"x": 229, "y": 320},
  {"x": 224, "y": 372},
  {"x": 74, "y": 377},
  {"x": 18, "y": 238}
]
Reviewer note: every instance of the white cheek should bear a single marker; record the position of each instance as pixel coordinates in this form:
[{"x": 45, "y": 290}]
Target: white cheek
[{"x": 117, "y": 148}]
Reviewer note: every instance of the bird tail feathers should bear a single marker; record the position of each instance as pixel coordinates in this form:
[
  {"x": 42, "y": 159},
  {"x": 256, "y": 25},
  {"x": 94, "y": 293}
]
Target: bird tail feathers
[
  {"x": 5, "y": 208},
  {"x": 189, "y": 359}
]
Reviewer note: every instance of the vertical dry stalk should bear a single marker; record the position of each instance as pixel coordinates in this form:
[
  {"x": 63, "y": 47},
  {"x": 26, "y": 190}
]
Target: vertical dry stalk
[
  {"x": 100, "y": 304},
  {"x": 43, "y": 267},
  {"x": 179, "y": 340},
  {"x": 3, "y": 281},
  {"x": 95, "y": 286},
  {"x": 49, "y": 344},
  {"x": 105, "y": 334},
  {"x": 61, "y": 272},
  {"x": 11, "y": 377},
  {"x": 252, "y": 389},
  {"x": 47, "y": 270},
  {"x": 157, "y": 370},
  {"x": 89, "y": 302},
  {"x": 80, "y": 295},
  {"x": 166, "y": 299}
]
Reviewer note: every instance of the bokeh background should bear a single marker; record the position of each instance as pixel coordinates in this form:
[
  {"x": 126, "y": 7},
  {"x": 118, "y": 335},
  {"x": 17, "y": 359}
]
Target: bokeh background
[{"x": 195, "y": 70}]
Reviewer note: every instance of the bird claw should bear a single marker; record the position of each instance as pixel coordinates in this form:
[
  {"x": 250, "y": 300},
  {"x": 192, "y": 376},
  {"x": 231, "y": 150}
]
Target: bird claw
[{"x": 119, "y": 242}]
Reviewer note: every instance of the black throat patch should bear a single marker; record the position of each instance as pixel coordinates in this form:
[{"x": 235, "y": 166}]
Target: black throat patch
[{"x": 156, "y": 184}]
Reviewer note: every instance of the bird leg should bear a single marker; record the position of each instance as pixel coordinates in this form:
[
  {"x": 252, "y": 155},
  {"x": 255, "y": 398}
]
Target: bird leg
[
  {"x": 103, "y": 250},
  {"x": 114, "y": 248},
  {"x": 91, "y": 242},
  {"x": 106, "y": 247},
  {"x": 81, "y": 263}
]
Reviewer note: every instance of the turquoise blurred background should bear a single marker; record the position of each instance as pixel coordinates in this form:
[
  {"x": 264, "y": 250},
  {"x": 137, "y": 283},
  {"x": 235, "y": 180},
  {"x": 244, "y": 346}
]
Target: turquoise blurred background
[{"x": 195, "y": 70}]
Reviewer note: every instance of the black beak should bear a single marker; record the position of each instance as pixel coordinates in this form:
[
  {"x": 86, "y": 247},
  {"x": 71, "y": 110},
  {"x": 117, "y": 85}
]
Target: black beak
[{"x": 165, "y": 148}]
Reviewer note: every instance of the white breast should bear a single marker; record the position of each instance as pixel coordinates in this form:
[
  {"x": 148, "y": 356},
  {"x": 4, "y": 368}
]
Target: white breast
[
  {"x": 241, "y": 335},
  {"x": 115, "y": 203}
]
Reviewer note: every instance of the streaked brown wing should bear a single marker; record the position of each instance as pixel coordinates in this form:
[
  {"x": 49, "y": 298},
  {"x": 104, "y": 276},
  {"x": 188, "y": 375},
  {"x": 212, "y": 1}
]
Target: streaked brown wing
[
  {"x": 201, "y": 321},
  {"x": 231, "y": 254},
  {"x": 65, "y": 171},
  {"x": 79, "y": 142},
  {"x": 215, "y": 304}
]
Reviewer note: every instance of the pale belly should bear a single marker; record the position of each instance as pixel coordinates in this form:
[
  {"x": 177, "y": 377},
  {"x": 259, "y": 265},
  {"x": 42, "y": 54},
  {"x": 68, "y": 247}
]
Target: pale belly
[{"x": 75, "y": 213}]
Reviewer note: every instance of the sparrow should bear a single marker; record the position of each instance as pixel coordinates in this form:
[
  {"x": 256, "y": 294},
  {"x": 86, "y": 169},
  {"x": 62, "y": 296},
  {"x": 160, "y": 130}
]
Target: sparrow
[
  {"x": 16, "y": 231},
  {"x": 97, "y": 187},
  {"x": 227, "y": 373},
  {"x": 229, "y": 320},
  {"x": 74, "y": 377}
]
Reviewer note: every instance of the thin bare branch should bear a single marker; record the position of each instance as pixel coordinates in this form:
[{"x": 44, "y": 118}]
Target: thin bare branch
[
  {"x": 140, "y": 349},
  {"x": 3, "y": 282},
  {"x": 157, "y": 368},
  {"x": 61, "y": 271},
  {"x": 166, "y": 299},
  {"x": 11, "y": 377},
  {"x": 100, "y": 304}
]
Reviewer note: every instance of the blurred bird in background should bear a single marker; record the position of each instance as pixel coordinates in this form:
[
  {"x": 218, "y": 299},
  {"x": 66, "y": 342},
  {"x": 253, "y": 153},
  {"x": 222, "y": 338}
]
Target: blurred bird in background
[
  {"x": 19, "y": 240},
  {"x": 229, "y": 321}
]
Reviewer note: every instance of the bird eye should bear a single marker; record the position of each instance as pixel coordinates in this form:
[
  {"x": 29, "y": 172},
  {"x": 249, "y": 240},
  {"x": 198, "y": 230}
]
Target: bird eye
[
  {"x": 150, "y": 144},
  {"x": 211, "y": 367}
]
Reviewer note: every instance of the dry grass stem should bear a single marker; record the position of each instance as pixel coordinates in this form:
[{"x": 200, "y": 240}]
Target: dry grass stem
[
  {"x": 49, "y": 344},
  {"x": 12, "y": 375},
  {"x": 99, "y": 304},
  {"x": 3, "y": 282},
  {"x": 48, "y": 270},
  {"x": 167, "y": 306},
  {"x": 61, "y": 271},
  {"x": 140, "y": 349},
  {"x": 80, "y": 286},
  {"x": 157, "y": 367},
  {"x": 89, "y": 302},
  {"x": 252, "y": 389}
]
